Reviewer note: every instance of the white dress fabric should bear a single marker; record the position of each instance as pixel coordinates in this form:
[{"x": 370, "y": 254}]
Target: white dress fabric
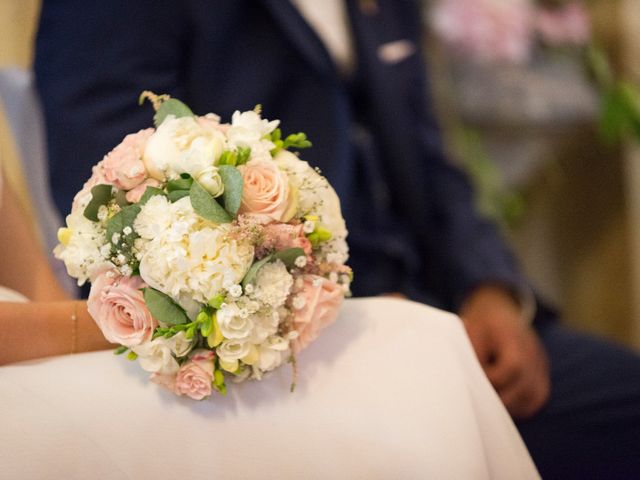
[{"x": 392, "y": 390}]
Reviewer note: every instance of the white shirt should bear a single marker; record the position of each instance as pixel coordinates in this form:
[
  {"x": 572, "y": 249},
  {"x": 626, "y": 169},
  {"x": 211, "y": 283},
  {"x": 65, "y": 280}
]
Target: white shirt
[{"x": 330, "y": 21}]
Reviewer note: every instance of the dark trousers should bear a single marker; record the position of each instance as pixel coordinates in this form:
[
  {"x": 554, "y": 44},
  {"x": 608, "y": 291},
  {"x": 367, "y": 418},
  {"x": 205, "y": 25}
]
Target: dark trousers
[{"x": 591, "y": 427}]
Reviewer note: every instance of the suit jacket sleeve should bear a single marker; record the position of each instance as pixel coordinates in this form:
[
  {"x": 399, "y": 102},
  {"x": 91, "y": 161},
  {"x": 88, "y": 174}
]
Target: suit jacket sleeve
[{"x": 93, "y": 59}]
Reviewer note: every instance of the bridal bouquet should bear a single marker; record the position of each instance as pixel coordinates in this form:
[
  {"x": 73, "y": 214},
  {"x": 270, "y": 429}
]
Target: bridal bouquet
[{"x": 213, "y": 252}]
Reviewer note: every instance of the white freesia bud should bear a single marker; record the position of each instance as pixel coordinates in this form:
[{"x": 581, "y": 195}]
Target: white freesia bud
[
  {"x": 232, "y": 350},
  {"x": 211, "y": 181},
  {"x": 179, "y": 344}
]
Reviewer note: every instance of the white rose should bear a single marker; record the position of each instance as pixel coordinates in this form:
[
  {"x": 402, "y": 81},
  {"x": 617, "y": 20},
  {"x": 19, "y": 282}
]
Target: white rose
[
  {"x": 232, "y": 323},
  {"x": 156, "y": 357}
]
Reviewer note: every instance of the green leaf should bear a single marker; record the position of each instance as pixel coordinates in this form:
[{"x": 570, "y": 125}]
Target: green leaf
[
  {"x": 173, "y": 107},
  {"x": 100, "y": 195},
  {"x": 232, "y": 196},
  {"x": 251, "y": 275},
  {"x": 206, "y": 206},
  {"x": 288, "y": 256},
  {"x": 124, "y": 218},
  {"x": 163, "y": 308},
  {"x": 297, "y": 140},
  {"x": 179, "y": 184},
  {"x": 120, "y": 350},
  {"x": 177, "y": 195},
  {"x": 150, "y": 192}
]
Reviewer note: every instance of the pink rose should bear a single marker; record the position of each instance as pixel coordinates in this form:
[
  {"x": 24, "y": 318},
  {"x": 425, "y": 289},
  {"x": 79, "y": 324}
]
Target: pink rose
[
  {"x": 280, "y": 236},
  {"x": 266, "y": 193},
  {"x": 117, "y": 306},
  {"x": 195, "y": 376},
  {"x": 123, "y": 166},
  {"x": 134, "y": 195},
  {"x": 322, "y": 301}
]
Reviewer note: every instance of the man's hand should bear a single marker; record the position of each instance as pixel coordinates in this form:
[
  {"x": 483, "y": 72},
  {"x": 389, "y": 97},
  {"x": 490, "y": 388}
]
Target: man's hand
[{"x": 509, "y": 350}]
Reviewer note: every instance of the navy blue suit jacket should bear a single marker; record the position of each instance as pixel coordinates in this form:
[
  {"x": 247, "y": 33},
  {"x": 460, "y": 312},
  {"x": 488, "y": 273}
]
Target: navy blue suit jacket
[{"x": 410, "y": 214}]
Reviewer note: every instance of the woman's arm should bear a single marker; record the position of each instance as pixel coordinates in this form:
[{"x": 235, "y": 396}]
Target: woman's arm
[
  {"x": 24, "y": 265},
  {"x": 42, "y": 329},
  {"x": 51, "y": 324}
]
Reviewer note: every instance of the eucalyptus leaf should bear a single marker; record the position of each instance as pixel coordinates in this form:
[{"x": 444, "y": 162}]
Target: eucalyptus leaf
[
  {"x": 177, "y": 195},
  {"x": 100, "y": 195},
  {"x": 173, "y": 107},
  {"x": 251, "y": 275},
  {"x": 288, "y": 256},
  {"x": 148, "y": 193},
  {"x": 232, "y": 195},
  {"x": 121, "y": 198},
  {"x": 163, "y": 308},
  {"x": 206, "y": 206},
  {"x": 179, "y": 184},
  {"x": 124, "y": 218}
]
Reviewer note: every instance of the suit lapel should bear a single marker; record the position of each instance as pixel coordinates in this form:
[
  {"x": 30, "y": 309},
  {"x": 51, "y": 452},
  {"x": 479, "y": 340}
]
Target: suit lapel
[{"x": 301, "y": 35}]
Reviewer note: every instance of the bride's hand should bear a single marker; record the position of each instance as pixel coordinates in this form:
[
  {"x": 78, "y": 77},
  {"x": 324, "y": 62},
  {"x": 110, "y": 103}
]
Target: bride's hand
[{"x": 510, "y": 352}]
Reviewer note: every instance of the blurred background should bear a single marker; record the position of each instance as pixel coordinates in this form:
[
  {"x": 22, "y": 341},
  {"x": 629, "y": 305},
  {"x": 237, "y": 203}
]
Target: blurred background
[{"x": 539, "y": 102}]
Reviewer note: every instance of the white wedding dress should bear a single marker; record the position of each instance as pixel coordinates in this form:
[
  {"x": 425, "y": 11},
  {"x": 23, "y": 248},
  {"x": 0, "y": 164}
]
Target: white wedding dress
[{"x": 392, "y": 390}]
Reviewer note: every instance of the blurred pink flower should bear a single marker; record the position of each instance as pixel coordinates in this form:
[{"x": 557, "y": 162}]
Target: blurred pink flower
[
  {"x": 322, "y": 300},
  {"x": 280, "y": 236},
  {"x": 487, "y": 30},
  {"x": 568, "y": 25}
]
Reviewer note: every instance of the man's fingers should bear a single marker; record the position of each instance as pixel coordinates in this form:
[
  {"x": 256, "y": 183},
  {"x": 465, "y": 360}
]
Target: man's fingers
[
  {"x": 479, "y": 342},
  {"x": 506, "y": 369}
]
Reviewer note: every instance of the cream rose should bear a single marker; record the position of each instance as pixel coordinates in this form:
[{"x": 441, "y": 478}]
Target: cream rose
[
  {"x": 266, "y": 192},
  {"x": 195, "y": 376},
  {"x": 322, "y": 300},
  {"x": 117, "y": 306}
]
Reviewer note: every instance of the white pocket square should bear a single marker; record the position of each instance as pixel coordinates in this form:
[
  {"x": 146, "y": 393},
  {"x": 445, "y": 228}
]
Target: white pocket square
[{"x": 396, "y": 51}]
